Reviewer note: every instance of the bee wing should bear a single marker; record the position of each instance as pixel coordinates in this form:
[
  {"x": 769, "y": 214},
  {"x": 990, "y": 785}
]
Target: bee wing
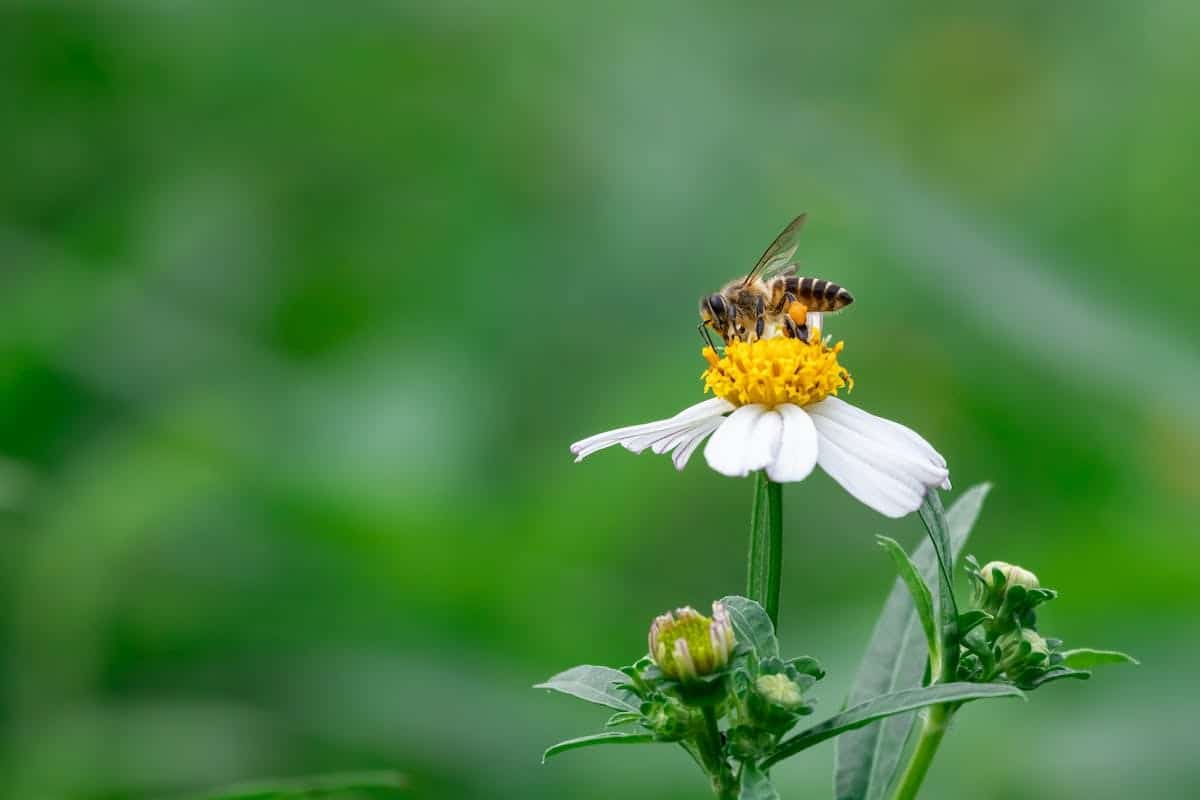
[{"x": 778, "y": 256}]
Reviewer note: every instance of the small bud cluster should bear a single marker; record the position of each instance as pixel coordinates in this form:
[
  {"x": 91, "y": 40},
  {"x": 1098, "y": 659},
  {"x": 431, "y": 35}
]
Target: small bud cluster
[
  {"x": 1002, "y": 640},
  {"x": 773, "y": 692},
  {"x": 1008, "y": 594},
  {"x": 724, "y": 694}
]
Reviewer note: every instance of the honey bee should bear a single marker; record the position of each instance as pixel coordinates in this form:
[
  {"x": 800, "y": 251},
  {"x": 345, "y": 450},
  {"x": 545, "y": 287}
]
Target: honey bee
[{"x": 772, "y": 298}]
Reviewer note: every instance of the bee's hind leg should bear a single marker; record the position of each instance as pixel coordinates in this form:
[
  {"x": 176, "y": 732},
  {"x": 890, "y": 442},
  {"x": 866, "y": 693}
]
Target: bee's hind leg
[{"x": 796, "y": 330}]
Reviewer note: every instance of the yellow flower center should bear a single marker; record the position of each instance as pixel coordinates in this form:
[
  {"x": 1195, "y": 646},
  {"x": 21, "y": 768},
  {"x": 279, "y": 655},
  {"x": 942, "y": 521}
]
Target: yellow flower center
[
  {"x": 694, "y": 629},
  {"x": 775, "y": 371}
]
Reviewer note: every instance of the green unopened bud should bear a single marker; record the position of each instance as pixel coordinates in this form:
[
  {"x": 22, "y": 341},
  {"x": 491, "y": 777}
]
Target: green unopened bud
[
  {"x": 779, "y": 690},
  {"x": 687, "y": 645},
  {"x": 1013, "y": 576},
  {"x": 992, "y": 588},
  {"x": 1020, "y": 650}
]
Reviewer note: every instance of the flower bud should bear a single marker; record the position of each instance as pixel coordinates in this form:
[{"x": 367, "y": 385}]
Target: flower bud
[
  {"x": 1013, "y": 576},
  {"x": 779, "y": 690},
  {"x": 991, "y": 591},
  {"x": 687, "y": 645},
  {"x": 1020, "y": 650}
]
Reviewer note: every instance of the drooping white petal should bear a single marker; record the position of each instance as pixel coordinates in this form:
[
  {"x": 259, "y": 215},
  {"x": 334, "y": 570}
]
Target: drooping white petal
[
  {"x": 878, "y": 427},
  {"x": 747, "y": 440},
  {"x": 797, "y": 446},
  {"x": 883, "y": 464},
  {"x": 904, "y": 461},
  {"x": 815, "y": 321},
  {"x": 886, "y": 495},
  {"x": 639, "y": 437},
  {"x": 684, "y": 451}
]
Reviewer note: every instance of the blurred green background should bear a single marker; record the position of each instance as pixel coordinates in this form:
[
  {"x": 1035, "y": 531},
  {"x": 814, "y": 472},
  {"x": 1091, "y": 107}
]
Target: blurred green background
[{"x": 301, "y": 306}]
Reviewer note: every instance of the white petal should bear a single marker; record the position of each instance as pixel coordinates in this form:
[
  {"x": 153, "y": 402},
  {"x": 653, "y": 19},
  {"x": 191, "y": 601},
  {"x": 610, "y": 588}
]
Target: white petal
[
  {"x": 815, "y": 322},
  {"x": 797, "y": 446},
  {"x": 639, "y": 437},
  {"x": 882, "y": 463},
  {"x": 878, "y": 427},
  {"x": 685, "y": 450},
  {"x": 886, "y": 495},
  {"x": 747, "y": 440},
  {"x": 902, "y": 460}
]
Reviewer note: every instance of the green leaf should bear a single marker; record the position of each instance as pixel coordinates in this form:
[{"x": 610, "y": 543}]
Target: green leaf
[
  {"x": 752, "y": 626},
  {"x": 895, "y": 659},
  {"x": 969, "y": 620},
  {"x": 595, "y": 685},
  {"x": 314, "y": 786},
  {"x": 1083, "y": 658},
  {"x": 919, "y": 590},
  {"x": 755, "y": 785},
  {"x": 934, "y": 517},
  {"x": 623, "y": 718},
  {"x": 886, "y": 706},
  {"x": 1034, "y": 678},
  {"x": 609, "y": 737},
  {"x": 807, "y": 665}
]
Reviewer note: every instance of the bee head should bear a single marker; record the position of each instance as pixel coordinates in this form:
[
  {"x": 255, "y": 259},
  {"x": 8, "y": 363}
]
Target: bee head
[{"x": 714, "y": 310}]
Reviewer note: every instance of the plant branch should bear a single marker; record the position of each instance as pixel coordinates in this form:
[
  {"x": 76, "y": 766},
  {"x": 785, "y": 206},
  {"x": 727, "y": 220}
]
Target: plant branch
[{"x": 930, "y": 738}]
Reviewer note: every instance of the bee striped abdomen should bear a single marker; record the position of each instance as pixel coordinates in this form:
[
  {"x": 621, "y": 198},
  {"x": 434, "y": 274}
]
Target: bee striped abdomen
[{"x": 822, "y": 295}]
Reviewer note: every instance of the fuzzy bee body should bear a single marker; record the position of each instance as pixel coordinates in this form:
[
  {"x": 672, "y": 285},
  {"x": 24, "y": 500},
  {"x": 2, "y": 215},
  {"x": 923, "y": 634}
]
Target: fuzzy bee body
[{"x": 772, "y": 298}]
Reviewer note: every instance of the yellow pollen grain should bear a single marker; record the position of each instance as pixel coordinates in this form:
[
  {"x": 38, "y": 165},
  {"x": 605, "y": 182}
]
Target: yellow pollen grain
[{"x": 774, "y": 371}]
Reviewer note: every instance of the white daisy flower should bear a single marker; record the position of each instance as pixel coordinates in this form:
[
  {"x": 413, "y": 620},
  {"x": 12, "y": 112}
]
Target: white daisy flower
[{"x": 776, "y": 409}]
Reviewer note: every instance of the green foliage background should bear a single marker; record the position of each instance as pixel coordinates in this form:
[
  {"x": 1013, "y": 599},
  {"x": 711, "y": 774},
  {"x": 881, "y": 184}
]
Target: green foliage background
[{"x": 300, "y": 307}]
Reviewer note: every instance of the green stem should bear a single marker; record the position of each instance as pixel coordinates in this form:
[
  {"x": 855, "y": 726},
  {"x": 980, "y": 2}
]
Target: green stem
[
  {"x": 712, "y": 752},
  {"x": 766, "y": 545},
  {"x": 932, "y": 731}
]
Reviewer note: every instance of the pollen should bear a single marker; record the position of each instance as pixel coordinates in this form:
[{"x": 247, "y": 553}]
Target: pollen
[{"x": 774, "y": 371}]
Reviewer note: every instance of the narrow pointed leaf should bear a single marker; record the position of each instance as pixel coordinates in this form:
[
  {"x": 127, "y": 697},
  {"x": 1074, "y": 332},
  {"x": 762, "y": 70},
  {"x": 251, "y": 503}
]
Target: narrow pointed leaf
[
  {"x": 886, "y": 706},
  {"x": 1083, "y": 658},
  {"x": 752, "y": 626},
  {"x": 895, "y": 659},
  {"x": 921, "y": 596},
  {"x": 610, "y": 737},
  {"x": 596, "y": 685},
  {"x": 1055, "y": 674},
  {"x": 934, "y": 517},
  {"x": 755, "y": 785}
]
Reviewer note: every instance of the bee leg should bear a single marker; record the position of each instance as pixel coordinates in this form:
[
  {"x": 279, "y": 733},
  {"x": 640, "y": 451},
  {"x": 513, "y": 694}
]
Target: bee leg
[
  {"x": 706, "y": 336},
  {"x": 795, "y": 331},
  {"x": 760, "y": 323}
]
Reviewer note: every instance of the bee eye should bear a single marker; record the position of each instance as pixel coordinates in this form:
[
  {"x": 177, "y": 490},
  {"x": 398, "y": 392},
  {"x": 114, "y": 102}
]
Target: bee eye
[{"x": 716, "y": 304}]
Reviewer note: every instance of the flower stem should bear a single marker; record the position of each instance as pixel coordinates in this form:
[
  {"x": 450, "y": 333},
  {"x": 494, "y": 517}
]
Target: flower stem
[
  {"x": 766, "y": 545},
  {"x": 712, "y": 752},
  {"x": 930, "y": 737}
]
